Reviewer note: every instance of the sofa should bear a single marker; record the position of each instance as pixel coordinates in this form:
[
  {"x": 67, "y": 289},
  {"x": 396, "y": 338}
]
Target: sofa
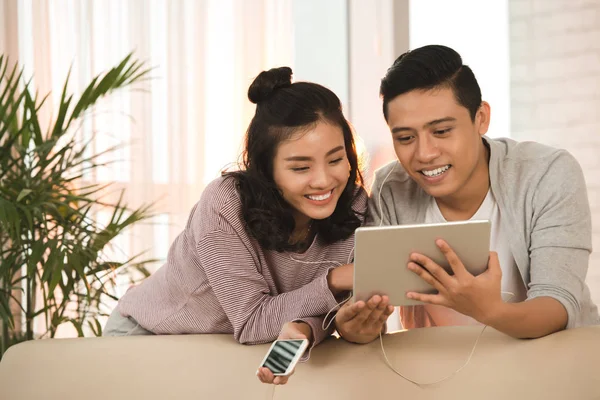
[{"x": 565, "y": 365}]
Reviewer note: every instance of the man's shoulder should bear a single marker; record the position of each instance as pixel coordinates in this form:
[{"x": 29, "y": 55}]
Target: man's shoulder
[
  {"x": 516, "y": 152},
  {"x": 526, "y": 165},
  {"x": 395, "y": 186},
  {"x": 391, "y": 172}
]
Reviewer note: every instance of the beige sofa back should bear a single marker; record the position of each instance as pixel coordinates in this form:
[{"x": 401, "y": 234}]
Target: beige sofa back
[{"x": 565, "y": 365}]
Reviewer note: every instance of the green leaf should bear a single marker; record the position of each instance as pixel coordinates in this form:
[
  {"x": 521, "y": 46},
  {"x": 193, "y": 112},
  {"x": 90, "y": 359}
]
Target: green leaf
[
  {"x": 23, "y": 193},
  {"x": 63, "y": 107},
  {"x": 56, "y": 271},
  {"x": 37, "y": 251},
  {"x": 95, "y": 327},
  {"x": 47, "y": 216}
]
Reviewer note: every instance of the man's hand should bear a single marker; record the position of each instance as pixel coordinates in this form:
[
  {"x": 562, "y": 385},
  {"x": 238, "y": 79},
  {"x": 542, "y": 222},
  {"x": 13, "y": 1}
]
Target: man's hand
[
  {"x": 290, "y": 330},
  {"x": 362, "y": 322},
  {"x": 476, "y": 296}
]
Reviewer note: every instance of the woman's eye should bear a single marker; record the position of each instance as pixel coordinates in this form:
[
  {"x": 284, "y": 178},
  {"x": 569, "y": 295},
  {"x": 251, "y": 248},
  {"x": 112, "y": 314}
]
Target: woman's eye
[
  {"x": 404, "y": 139},
  {"x": 299, "y": 169},
  {"x": 336, "y": 161}
]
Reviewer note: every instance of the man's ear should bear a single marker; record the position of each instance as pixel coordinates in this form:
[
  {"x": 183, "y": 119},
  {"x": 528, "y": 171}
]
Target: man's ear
[{"x": 482, "y": 118}]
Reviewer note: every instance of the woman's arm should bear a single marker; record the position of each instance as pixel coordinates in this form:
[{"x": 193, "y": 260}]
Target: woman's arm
[{"x": 243, "y": 293}]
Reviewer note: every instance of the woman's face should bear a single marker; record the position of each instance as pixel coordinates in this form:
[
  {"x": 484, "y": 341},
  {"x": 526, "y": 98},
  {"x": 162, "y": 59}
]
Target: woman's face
[{"x": 312, "y": 169}]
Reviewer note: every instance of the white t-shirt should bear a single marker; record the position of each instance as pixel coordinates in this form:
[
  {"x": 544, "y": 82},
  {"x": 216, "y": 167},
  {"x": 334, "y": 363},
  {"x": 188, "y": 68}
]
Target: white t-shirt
[{"x": 511, "y": 277}]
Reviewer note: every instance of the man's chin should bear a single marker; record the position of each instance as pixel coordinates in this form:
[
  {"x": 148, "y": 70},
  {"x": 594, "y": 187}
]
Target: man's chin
[{"x": 437, "y": 192}]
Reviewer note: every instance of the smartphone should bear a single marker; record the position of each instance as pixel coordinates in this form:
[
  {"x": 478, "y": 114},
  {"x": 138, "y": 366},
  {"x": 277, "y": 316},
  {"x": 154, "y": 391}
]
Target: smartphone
[{"x": 283, "y": 356}]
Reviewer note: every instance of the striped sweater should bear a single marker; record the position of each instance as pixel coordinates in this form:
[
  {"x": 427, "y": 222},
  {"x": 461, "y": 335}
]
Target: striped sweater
[{"x": 217, "y": 278}]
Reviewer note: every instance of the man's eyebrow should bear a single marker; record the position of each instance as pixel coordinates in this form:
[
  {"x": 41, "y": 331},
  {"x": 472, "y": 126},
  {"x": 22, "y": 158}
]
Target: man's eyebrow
[
  {"x": 439, "y": 121},
  {"x": 398, "y": 129}
]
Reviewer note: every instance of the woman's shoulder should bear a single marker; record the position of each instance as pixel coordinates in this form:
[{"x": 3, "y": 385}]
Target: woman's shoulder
[
  {"x": 220, "y": 190},
  {"x": 359, "y": 204},
  {"x": 219, "y": 205}
]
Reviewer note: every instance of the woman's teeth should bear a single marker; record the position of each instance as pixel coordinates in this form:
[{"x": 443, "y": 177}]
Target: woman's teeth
[{"x": 320, "y": 197}]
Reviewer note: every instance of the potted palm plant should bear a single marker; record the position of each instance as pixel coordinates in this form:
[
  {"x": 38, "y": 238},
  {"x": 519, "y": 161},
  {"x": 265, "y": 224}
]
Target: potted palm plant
[{"x": 54, "y": 267}]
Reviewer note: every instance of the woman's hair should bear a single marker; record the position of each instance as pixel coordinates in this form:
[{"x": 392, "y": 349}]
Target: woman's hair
[{"x": 283, "y": 110}]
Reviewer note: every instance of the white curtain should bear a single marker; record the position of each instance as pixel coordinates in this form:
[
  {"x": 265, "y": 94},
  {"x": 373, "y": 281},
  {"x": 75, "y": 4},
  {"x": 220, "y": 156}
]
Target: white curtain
[{"x": 186, "y": 123}]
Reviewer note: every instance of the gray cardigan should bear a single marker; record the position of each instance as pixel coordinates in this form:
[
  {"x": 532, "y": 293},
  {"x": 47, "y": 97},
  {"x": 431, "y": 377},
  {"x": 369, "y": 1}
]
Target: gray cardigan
[{"x": 541, "y": 192}]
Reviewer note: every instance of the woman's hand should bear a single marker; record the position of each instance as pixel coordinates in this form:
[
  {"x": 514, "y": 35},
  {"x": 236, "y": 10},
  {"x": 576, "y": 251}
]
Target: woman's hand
[
  {"x": 362, "y": 322},
  {"x": 290, "y": 330}
]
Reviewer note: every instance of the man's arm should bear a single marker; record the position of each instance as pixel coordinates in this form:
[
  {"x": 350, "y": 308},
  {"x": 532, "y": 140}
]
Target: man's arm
[
  {"x": 561, "y": 237},
  {"x": 529, "y": 319},
  {"x": 480, "y": 297},
  {"x": 560, "y": 245}
]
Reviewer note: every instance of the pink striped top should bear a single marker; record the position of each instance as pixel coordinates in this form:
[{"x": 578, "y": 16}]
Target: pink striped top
[{"x": 217, "y": 278}]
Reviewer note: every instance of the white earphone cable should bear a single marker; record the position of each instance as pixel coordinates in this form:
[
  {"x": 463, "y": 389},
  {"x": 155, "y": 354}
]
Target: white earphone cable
[
  {"x": 325, "y": 325},
  {"x": 389, "y": 364}
]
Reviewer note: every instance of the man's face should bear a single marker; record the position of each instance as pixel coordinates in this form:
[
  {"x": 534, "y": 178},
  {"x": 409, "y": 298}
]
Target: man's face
[{"x": 437, "y": 143}]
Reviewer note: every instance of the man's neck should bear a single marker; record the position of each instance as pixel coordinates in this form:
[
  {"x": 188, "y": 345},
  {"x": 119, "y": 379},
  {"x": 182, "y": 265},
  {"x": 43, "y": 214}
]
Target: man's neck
[{"x": 464, "y": 204}]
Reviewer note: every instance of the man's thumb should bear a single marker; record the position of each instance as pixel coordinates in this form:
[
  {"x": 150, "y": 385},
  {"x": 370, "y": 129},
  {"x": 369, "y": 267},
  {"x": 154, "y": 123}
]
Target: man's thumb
[{"x": 494, "y": 263}]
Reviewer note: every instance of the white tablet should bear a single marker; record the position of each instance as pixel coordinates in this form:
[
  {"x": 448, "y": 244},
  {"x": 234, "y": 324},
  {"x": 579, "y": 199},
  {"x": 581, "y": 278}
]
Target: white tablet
[{"x": 381, "y": 256}]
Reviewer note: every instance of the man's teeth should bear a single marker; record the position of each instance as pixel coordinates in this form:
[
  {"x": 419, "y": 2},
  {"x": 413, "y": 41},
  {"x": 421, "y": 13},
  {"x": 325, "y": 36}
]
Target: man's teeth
[
  {"x": 436, "y": 172},
  {"x": 320, "y": 197}
]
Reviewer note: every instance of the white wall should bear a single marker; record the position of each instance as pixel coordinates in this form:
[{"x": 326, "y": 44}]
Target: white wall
[
  {"x": 321, "y": 44},
  {"x": 478, "y": 30},
  {"x": 377, "y": 37},
  {"x": 555, "y": 81}
]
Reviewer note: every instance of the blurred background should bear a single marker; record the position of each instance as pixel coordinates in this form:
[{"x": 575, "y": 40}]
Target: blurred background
[{"x": 537, "y": 61}]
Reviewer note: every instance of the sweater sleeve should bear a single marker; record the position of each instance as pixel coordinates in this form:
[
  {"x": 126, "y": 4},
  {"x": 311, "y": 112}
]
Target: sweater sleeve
[
  {"x": 561, "y": 236},
  {"x": 255, "y": 314},
  {"x": 319, "y": 334}
]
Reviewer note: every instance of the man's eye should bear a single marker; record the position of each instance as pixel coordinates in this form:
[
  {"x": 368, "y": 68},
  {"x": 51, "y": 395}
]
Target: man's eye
[{"x": 442, "y": 131}]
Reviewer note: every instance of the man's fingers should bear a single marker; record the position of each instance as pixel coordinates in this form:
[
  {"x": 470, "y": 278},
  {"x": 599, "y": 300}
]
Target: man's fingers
[
  {"x": 428, "y": 298},
  {"x": 455, "y": 263},
  {"x": 434, "y": 269},
  {"x": 426, "y": 276},
  {"x": 494, "y": 264}
]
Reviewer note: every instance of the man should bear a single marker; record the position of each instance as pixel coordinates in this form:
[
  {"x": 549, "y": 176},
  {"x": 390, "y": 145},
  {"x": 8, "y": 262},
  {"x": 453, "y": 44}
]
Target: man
[{"x": 447, "y": 170}]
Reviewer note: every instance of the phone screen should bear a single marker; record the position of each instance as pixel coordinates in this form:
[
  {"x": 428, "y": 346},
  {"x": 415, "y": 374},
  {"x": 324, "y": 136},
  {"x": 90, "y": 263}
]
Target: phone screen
[{"x": 281, "y": 355}]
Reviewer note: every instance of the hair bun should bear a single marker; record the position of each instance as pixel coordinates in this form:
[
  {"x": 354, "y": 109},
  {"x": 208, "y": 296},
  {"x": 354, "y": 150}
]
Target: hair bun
[{"x": 267, "y": 82}]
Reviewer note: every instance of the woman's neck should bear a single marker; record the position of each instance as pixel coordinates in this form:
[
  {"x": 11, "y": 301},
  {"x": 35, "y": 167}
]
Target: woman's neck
[{"x": 302, "y": 230}]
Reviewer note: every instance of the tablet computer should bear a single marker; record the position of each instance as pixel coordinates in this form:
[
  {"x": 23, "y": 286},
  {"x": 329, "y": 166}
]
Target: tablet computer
[{"x": 381, "y": 256}]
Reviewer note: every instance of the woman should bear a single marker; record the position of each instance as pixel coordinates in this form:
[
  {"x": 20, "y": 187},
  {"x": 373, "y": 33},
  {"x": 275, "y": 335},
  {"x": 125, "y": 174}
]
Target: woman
[{"x": 266, "y": 250}]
